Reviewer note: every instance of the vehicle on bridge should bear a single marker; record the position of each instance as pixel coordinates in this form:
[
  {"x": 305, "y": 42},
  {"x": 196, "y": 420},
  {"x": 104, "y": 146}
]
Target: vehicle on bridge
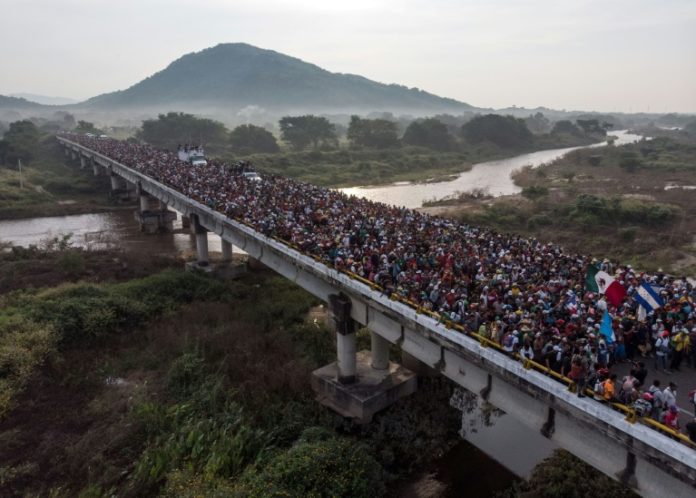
[{"x": 193, "y": 154}]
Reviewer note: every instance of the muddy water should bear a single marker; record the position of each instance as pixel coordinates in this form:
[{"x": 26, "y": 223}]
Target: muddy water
[
  {"x": 491, "y": 176},
  {"x": 99, "y": 231}
]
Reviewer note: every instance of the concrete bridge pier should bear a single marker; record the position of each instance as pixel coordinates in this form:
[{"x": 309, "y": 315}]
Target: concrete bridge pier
[
  {"x": 359, "y": 384},
  {"x": 226, "y": 248},
  {"x": 83, "y": 162},
  {"x": 144, "y": 202},
  {"x": 115, "y": 182},
  {"x": 185, "y": 221},
  {"x": 96, "y": 169},
  {"x": 152, "y": 220},
  {"x": 202, "y": 255}
]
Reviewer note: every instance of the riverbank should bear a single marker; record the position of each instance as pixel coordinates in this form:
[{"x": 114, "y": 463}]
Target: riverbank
[
  {"x": 51, "y": 185},
  {"x": 619, "y": 202},
  {"x": 351, "y": 167}
]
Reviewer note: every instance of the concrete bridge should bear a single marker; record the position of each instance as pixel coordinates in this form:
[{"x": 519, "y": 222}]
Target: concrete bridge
[{"x": 361, "y": 383}]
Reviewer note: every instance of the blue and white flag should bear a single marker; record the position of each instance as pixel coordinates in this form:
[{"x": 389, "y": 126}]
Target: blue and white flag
[
  {"x": 647, "y": 297},
  {"x": 606, "y": 328},
  {"x": 572, "y": 304}
]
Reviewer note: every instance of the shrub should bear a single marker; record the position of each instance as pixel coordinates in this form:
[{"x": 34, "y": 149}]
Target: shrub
[
  {"x": 316, "y": 468},
  {"x": 534, "y": 192}
]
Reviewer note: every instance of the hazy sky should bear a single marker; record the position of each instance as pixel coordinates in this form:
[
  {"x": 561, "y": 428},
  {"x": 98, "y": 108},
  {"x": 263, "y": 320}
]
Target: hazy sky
[{"x": 611, "y": 55}]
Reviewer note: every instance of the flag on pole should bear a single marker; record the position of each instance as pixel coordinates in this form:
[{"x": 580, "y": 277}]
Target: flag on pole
[
  {"x": 606, "y": 328},
  {"x": 601, "y": 282},
  {"x": 647, "y": 297}
]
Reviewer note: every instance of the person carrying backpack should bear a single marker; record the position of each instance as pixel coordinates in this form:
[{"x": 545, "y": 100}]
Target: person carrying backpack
[
  {"x": 661, "y": 351},
  {"x": 658, "y": 400}
]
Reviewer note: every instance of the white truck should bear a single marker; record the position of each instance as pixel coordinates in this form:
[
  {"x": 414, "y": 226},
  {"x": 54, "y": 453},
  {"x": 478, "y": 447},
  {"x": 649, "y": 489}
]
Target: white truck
[{"x": 193, "y": 155}]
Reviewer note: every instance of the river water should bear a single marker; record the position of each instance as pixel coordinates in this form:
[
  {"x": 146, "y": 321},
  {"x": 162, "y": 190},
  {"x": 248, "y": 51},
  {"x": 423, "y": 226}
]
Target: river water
[
  {"x": 491, "y": 176},
  {"x": 502, "y": 437}
]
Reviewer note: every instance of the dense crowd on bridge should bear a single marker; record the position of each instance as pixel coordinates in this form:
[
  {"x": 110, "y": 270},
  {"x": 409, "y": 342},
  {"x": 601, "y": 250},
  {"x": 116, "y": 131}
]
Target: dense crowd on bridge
[{"x": 524, "y": 294}]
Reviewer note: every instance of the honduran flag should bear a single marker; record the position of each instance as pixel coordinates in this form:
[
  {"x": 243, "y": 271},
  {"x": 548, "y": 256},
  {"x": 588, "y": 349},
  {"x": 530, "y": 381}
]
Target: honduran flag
[
  {"x": 606, "y": 328},
  {"x": 601, "y": 282},
  {"x": 647, "y": 297}
]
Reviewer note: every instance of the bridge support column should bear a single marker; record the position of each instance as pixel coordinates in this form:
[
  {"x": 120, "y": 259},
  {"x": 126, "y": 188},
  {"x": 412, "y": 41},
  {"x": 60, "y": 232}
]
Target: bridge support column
[
  {"x": 83, "y": 162},
  {"x": 358, "y": 385},
  {"x": 380, "y": 352},
  {"x": 185, "y": 221},
  {"x": 226, "y": 248},
  {"x": 115, "y": 182},
  {"x": 95, "y": 169},
  {"x": 345, "y": 338},
  {"x": 144, "y": 202},
  {"x": 202, "y": 256},
  {"x": 67, "y": 151}
]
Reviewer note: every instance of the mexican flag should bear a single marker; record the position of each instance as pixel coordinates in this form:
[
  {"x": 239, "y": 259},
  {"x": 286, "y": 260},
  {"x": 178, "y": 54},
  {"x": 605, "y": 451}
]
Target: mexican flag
[{"x": 601, "y": 282}]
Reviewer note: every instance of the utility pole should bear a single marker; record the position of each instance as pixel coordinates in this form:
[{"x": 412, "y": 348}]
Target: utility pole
[{"x": 21, "y": 180}]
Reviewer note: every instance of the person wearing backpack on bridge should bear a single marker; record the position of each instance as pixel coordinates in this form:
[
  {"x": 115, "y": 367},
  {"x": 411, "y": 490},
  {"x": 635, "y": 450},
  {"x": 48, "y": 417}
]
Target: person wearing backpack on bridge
[
  {"x": 658, "y": 400},
  {"x": 661, "y": 351}
]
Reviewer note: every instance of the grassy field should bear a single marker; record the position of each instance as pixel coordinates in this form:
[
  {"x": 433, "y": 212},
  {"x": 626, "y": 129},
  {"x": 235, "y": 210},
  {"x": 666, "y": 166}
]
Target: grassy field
[
  {"x": 611, "y": 202},
  {"x": 53, "y": 186}
]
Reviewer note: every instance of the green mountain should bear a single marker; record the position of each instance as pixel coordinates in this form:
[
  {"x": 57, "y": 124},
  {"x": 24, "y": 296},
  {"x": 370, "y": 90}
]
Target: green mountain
[{"x": 236, "y": 75}]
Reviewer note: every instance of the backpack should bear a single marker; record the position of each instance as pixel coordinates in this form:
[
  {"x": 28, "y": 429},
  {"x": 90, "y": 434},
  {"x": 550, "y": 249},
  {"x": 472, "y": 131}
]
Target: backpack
[
  {"x": 599, "y": 387},
  {"x": 662, "y": 345}
]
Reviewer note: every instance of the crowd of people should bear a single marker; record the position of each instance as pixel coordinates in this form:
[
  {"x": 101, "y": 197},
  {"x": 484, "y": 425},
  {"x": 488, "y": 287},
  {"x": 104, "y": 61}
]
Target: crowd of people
[{"x": 524, "y": 294}]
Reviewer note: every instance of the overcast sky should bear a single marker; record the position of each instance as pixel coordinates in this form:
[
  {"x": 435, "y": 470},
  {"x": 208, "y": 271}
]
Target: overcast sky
[{"x": 607, "y": 55}]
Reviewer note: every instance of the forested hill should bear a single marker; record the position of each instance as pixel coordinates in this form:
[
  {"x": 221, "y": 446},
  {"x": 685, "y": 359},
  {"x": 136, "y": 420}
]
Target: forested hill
[{"x": 237, "y": 75}]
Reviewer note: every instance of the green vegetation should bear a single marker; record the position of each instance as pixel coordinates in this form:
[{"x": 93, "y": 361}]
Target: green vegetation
[
  {"x": 564, "y": 476},
  {"x": 48, "y": 180},
  {"x": 430, "y": 133},
  {"x": 302, "y": 131},
  {"x": 19, "y": 142},
  {"x": 170, "y": 130},
  {"x": 610, "y": 202},
  {"x": 348, "y": 167},
  {"x": 34, "y": 325},
  {"x": 506, "y": 132},
  {"x": 250, "y": 139},
  {"x": 210, "y": 399},
  {"x": 376, "y": 133}
]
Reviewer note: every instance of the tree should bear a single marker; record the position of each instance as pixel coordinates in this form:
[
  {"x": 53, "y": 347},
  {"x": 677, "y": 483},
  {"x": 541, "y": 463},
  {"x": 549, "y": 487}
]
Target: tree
[
  {"x": 301, "y": 131},
  {"x": 507, "y": 132},
  {"x": 591, "y": 127},
  {"x": 175, "y": 128},
  {"x": 248, "y": 139},
  {"x": 538, "y": 123},
  {"x": 566, "y": 127},
  {"x": 430, "y": 133},
  {"x": 87, "y": 127},
  {"x": 378, "y": 133},
  {"x": 20, "y": 141}
]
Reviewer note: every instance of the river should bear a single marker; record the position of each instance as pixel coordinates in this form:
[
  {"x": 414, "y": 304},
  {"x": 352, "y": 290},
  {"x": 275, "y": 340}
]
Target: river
[{"x": 491, "y": 176}]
